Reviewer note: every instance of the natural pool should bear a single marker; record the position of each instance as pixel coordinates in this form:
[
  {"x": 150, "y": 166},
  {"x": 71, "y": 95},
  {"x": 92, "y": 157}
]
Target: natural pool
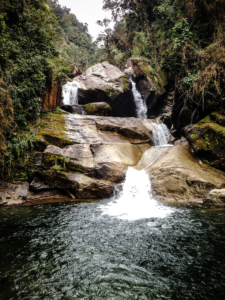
[{"x": 77, "y": 251}]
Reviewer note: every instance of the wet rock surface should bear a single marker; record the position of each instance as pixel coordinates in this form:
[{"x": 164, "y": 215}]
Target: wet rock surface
[
  {"x": 177, "y": 175},
  {"x": 216, "y": 198}
]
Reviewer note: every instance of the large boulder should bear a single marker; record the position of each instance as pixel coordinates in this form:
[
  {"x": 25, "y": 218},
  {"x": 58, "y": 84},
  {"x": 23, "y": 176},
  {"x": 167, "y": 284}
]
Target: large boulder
[
  {"x": 177, "y": 175},
  {"x": 208, "y": 140},
  {"x": 79, "y": 185},
  {"x": 104, "y": 82}
]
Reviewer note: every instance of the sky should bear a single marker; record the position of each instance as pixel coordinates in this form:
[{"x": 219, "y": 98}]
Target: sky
[{"x": 88, "y": 11}]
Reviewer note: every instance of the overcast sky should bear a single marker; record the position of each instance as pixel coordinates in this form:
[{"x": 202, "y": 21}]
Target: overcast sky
[{"x": 88, "y": 11}]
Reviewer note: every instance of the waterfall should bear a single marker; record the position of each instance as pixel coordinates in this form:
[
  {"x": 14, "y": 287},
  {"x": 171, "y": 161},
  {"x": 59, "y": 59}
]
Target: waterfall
[
  {"x": 141, "y": 107},
  {"x": 160, "y": 134},
  {"x": 136, "y": 200},
  {"x": 70, "y": 93}
]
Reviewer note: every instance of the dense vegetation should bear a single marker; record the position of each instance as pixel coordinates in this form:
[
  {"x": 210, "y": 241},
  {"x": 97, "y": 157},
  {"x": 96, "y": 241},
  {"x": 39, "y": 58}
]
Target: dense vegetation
[
  {"x": 39, "y": 41},
  {"x": 183, "y": 39},
  {"x": 75, "y": 45}
]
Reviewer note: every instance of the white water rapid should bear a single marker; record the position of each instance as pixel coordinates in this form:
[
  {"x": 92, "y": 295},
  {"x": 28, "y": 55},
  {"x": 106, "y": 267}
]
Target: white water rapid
[
  {"x": 135, "y": 201},
  {"x": 70, "y": 93},
  {"x": 160, "y": 134},
  {"x": 141, "y": 107}
]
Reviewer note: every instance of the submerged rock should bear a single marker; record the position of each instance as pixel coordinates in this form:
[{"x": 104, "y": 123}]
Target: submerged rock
[{"x": 208, "y": 140}]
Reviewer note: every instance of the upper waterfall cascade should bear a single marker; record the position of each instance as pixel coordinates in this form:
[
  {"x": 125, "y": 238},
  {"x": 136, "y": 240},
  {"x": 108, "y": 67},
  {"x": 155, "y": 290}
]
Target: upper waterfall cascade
[
  {"x": 70, "y": 93},
  {"x": 141, "y": 106}
]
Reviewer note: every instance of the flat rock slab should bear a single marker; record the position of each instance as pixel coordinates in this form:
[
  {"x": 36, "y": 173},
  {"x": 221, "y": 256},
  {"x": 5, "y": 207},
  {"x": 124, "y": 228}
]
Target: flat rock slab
[{"x": 65, "y": 129}]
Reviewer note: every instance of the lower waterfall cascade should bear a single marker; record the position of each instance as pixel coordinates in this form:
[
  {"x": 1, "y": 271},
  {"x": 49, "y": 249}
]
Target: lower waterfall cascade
[
  {"x": 136, "y": 200},
  {"x": 141, "y": 106},
  {"x": 70, "y": 93}
]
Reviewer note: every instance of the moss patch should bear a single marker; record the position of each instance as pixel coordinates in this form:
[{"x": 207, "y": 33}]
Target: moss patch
[
  {"x": 53, "y": 129},
  {"x": 208, "y": 140},
  {"x": 126, "y": 83},
  {"x": 98, "y": 109}
]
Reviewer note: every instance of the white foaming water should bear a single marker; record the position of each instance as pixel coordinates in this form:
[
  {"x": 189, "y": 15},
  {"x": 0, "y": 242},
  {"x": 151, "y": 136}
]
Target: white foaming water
[
  {"x": 160, "y": 134},
  {"x": 70, "y": 93},
  {"x": 136, "y": 201},
  {"x": 141, "y": 106}
]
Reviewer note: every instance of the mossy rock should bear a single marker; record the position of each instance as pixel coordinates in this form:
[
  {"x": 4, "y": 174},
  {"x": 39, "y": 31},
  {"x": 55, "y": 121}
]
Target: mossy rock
[
  {"x": 97, "y": 109},
  {"x": 53, "y": 129},
  {"x": 126, "y": 83},
  {"x": 218, "y": 118},
  {"x": 208, "y": 140}
]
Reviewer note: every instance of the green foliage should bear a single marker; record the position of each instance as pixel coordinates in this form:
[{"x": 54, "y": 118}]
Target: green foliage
[
  {"x": 75, "y": 46},
  {"x": 181, "y": 33},
  {"x": 19, "y": 150},
  {"x": 38, "y": 43},
  {"x": 29, "y": 43},
  {"x": 57, "y": 168}
]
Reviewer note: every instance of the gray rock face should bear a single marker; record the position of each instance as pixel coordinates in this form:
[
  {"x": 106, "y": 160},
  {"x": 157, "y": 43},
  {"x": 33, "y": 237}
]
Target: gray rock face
[{"x": 104, "y": 77}]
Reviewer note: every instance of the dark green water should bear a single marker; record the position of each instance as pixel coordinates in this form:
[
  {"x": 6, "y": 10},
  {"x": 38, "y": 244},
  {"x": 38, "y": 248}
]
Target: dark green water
[{"x": 72, "y": 251}]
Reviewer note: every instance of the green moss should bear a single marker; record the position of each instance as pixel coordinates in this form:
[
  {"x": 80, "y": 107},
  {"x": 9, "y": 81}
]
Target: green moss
[
  {"x": 53, "y": 130},
  {"x": 97, "y": 109},
  {"x": 126, "y": 83},
  {"x": 208, "y": 140},
  {"x": 218, "y": 118}
]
